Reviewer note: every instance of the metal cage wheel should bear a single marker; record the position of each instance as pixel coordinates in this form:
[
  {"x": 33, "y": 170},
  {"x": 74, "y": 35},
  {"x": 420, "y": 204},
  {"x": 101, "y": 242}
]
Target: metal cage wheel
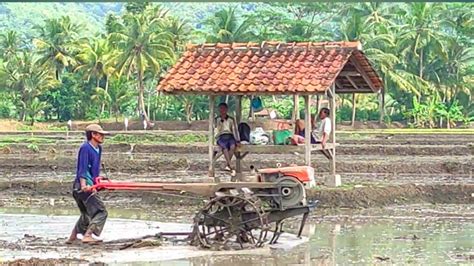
[{"x": 239, "y": 225}]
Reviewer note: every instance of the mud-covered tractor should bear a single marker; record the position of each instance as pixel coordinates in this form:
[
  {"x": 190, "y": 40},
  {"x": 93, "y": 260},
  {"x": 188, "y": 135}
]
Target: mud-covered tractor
[{"x": 241, "y": 214}]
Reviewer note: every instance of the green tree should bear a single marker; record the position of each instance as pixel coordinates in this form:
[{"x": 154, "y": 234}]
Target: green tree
[
  {"x": 181, "y": 32},
  {"x": 120, "y": 96},
  {"x": 56, "y": 44},
  {"x": 68, "y": 100},
  {"x": 27, "y": 80},
  {"x": 422, "y": 33},
  {"x": 35, "y": 107},
  {"x": 226, "y": 26},
  {"x": 144, "y": 45},
  {"x": 10, "y": 44},
  {"x": 97, "y": 60}
]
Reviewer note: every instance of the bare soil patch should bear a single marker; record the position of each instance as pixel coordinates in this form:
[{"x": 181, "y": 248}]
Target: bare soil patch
[
  {"x": 37, "y": 261},
  {"x": 348, "y": 197}
]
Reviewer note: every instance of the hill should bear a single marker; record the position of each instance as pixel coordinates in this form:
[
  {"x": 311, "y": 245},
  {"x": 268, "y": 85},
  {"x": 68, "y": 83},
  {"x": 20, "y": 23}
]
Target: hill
[{"x": 24, "y": 16}]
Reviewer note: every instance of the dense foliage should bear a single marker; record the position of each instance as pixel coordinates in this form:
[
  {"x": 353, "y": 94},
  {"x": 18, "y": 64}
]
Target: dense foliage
[{"x": 106, "y": 63}]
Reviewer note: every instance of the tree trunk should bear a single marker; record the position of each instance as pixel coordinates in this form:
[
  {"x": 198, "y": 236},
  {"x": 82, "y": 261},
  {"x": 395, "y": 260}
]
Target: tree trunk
[
  {"x": 106, "y": 90},
  {"x": 148, "y": 103},
  {"x": 189, "y": 112},
  {"x": 141, "y": 100},
  {"x": 141, "y": 91},
  {"x": 421, "y": 63},
  {"x": 22, "y": 115}
]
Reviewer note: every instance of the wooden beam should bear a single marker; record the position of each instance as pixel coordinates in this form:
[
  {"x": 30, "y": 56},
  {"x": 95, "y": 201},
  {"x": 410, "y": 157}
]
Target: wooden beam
[
  {"x": 308, "y": 129},
  {"x": 296, "y": 107},
  {"x": 352, "y": 83},
  {"x": 339, "y": 85},
  {"x": 238, "y": 109},
  {"x": 238, "y": 155},
  {"x": 349, "y": 73},
  {"x": 353, "y": 109},
  {"x": 332, "y": 105},
  {"x": 211, "y": 139},
  {"x": 362, "y": 72},
  {"x": 318, "y": 103},
  {"x": 345, "y": 91},
  {"x": 251, "y": 113}
]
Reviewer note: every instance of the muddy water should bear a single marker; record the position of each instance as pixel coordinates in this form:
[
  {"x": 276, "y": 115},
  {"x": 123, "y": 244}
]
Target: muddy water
[{"x": 399, "y": 239}]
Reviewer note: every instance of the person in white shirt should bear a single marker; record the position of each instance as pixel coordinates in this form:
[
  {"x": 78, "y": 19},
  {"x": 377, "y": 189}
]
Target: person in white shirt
[
  {"x": 324, "y": 128},
  {"x": 227, "y": 134}
]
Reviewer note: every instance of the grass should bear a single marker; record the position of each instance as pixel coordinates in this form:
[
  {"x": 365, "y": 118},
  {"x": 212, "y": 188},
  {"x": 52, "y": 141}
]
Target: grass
[
  {"x": 20, "y": 139},
  {"x": 351, "y": 186},
  {"x": 33, "y": 147},
  {"x": 165, "y": 138},
  {"x": 410, "y": 131}
]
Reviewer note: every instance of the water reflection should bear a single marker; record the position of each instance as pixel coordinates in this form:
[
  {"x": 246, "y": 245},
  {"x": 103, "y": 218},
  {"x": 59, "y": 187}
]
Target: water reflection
[
  {"x": 357, "y": 241},
  {"x": 384, "y": 241}
]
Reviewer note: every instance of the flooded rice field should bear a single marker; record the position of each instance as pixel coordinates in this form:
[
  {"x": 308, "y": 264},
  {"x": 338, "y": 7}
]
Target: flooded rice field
[
  {"x": 418, "y": 234},
  {"x": 405, "y": 199}
]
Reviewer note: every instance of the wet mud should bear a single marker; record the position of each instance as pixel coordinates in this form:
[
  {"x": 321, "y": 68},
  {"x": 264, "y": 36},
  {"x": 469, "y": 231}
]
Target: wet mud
[{"x": 391, "y": 186}]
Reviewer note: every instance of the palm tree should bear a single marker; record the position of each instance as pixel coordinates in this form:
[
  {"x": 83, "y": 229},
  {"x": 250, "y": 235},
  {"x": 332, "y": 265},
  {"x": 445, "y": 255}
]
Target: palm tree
[
  {"x": 27, "y": 79},
  {"x": 10, "y": 44},
  {"x": 120, "y": 95},
  {"x": 180, "y": 30},
  {"x": 422, "y": 33},
  {"x": 96, "y": 60},
  {"x": 56, "y": 42},
  {"x": 226, "y": 27},
  {"x": 35, "y": 107},
  {"x": 144, "y": 46}
]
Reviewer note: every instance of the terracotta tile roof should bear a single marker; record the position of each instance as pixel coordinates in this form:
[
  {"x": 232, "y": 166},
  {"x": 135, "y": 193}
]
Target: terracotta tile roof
[{"x": 269, "y": 67}]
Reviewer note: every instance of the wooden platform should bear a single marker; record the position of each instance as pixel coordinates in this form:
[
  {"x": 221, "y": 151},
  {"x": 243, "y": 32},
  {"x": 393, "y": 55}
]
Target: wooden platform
[
  {"x": 297, "y": 150},
  {"x": 278, "y": 149}
]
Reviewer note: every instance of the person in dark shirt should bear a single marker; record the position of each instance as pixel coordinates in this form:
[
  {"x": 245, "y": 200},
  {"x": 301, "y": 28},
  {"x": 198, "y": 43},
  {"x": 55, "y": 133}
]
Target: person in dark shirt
[{"x": 93, "y": 212}]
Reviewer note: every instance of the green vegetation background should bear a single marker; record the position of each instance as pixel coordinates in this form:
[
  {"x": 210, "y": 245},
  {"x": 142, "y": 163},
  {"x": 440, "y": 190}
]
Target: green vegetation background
[{"x": 77, "y": 61}]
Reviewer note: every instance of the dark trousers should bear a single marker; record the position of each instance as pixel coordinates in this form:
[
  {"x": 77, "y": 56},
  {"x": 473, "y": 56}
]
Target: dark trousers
[{"x": 93, "y": 212}]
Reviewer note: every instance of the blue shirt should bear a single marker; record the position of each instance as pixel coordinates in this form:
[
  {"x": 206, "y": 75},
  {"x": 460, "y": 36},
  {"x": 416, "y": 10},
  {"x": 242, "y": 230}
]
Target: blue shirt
[{"x": 88, "y": 163}]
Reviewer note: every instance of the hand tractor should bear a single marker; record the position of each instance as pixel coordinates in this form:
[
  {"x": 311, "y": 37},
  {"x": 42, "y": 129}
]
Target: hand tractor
[{"x": 240, "y": 214}]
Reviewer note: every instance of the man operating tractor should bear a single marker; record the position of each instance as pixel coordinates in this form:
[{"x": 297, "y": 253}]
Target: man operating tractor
[{"x": 93, "y": 212}]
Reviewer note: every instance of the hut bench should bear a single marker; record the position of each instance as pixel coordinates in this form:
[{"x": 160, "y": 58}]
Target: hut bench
[
  {"x": 274, "y": 68},
  {"x": 298, "y": 150}
]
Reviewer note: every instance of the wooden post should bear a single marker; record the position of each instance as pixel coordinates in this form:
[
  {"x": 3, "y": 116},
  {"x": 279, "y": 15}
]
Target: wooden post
[
  {"x": 381, "y": 105},
  {"x": 238, "y": 159},
  {"x": 238, "y": 109},
  {"x": 251, "y": 112},
  {"x": 296, "y": 107},
  {"x": 334, "y": 180},
  {"x": 353, "y": 109},
  {"x": 308, "y": 129},
  {"x": 318, "y": 103},
  {"x": 211, "y": 138}
]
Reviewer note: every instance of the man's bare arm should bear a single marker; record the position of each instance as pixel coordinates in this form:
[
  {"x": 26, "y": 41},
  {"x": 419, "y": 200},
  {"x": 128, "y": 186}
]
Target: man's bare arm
[{"x": 324, "y": 140}]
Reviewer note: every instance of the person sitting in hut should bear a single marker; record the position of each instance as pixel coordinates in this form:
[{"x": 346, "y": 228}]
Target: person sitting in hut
[
  {"x": 227, "y": 134},
  {"x": 324, "y": 127},
  {"x": 299, "y": 134},
  {"x": 321, "y": 135}
]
